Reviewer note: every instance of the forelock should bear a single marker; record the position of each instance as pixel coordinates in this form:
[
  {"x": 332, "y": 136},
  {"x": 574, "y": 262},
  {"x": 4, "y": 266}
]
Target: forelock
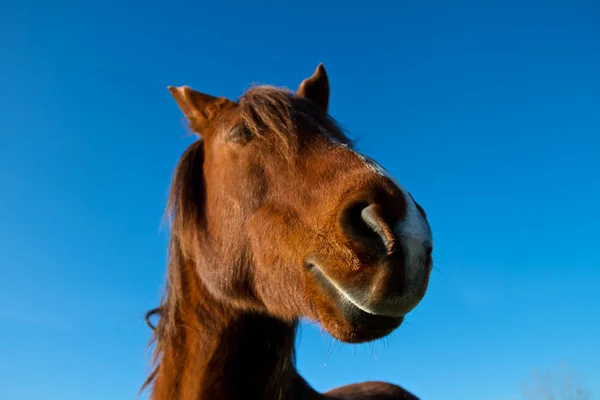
[{"x": 275, "y": 115}]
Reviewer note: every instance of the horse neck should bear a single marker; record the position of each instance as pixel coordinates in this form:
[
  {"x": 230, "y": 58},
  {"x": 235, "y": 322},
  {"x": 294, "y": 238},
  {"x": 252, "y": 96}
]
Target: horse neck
[{"x": 220, "y": 353}]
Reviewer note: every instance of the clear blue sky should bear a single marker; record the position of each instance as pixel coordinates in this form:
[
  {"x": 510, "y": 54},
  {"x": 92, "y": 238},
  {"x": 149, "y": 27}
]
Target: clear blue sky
[{"x": 489, "y": 114}]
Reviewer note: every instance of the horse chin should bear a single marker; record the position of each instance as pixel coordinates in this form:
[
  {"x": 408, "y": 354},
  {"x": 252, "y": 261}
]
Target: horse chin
[
  {"x": 342, "y": 319},
  {"x": 359, "y": 333}
]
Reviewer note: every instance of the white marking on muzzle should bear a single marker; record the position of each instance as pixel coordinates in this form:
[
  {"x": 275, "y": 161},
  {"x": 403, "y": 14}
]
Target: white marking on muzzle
[
  {"x": 413, "y": 232},
  {"x": 414, "y": 224}
]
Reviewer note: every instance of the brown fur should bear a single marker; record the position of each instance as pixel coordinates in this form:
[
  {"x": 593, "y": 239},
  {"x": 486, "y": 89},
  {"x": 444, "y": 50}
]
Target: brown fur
[{"x": 260, "y": 190}]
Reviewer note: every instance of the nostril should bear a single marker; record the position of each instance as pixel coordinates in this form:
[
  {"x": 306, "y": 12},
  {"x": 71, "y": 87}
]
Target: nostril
[
  {"x": 364, "y": 224},
  {"x": 374, "y": 221}
]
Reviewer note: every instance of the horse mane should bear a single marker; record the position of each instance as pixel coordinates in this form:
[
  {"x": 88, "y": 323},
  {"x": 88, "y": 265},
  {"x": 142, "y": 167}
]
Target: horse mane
[
  {"x": 270, "y": 114},
  {"x": 266, "y": 112},
  {"x": 186, "y": 198}
]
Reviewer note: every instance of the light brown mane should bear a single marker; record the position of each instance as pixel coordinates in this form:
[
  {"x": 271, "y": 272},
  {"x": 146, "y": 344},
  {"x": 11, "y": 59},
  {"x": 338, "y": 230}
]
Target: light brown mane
[{"x": 271, "y": 113}]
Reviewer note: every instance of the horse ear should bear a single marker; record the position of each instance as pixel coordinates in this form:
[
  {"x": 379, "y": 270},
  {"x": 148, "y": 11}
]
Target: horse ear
[
  {"x": 200, "y": 109},
  {"x": 316, "y": 88}
]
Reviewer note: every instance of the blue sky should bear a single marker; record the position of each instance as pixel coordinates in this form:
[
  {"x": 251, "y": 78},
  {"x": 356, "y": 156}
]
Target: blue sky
[{"x": 488, "y": 114}]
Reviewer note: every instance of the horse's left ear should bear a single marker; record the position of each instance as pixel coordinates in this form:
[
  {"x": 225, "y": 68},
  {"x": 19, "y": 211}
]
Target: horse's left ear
[
  {"x": 316, "y": 88},
  {"x": 200, "y": 109}
]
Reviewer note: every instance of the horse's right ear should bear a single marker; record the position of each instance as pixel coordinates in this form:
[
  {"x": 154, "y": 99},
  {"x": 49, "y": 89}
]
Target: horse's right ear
[
  {"x": 200, "y": 109},
  {"x": 316, "y": 88}
]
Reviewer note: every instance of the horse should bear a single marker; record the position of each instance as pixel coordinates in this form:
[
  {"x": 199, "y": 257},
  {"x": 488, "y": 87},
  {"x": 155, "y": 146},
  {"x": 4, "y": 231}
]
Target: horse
[{"x": 275, "y": 217}]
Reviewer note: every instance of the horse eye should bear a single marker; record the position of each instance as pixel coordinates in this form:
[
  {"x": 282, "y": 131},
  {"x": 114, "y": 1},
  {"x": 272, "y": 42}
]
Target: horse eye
[{"x": 239, "y": 134}]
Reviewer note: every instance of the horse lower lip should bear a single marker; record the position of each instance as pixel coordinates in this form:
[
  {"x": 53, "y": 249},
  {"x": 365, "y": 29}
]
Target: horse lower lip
[{"x": 373, "y": 323}]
